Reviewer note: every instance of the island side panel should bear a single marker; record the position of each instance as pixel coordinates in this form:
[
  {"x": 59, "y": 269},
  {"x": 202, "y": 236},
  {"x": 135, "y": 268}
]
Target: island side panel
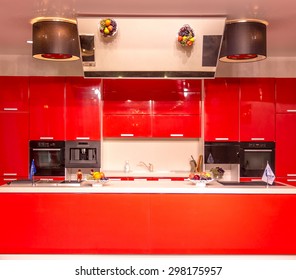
[{"x": 147, "y": 224}]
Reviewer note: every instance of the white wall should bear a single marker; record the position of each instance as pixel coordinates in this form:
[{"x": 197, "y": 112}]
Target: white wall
[{"x": 165, "y": 155}]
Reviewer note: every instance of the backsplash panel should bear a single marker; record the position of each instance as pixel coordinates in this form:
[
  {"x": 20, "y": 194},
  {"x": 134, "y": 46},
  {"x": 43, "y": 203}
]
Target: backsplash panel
[{"x": 165, "y": 155}]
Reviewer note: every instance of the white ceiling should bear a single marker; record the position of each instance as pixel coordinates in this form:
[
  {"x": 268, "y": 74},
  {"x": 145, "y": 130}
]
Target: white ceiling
[{"x": 15, "y": 16}]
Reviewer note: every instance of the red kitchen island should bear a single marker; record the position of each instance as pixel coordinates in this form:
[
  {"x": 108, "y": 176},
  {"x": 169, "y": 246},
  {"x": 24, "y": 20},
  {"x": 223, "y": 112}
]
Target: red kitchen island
[{"x": 147, "y": 217}]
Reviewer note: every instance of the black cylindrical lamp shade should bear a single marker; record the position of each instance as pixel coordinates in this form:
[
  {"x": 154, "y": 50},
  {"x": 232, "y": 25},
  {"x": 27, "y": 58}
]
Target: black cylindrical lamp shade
[
  {"x": 244, "y": 41},
  {"x": 55, "y": 40}
]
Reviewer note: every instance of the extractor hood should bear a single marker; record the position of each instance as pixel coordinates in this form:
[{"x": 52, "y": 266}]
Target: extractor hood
[{"x": 148, "y": 46}]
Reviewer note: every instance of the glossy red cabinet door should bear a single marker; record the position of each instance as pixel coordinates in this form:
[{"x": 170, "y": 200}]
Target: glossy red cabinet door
[
  {"x": 14, "y": 140},
  {"x": 127, "y": 125},
  {"x": 176, "y": 126},
  {"x": 126, "y": 107},
  {"x": 285, "y": 145},
  {"x": 285, "y": 95},
  {"x": 222, "y": 110},
  {"x": 257, "y": 109},
  {"x": 83, "y": 109},
  {"x": 47, "y": 102},
  {"x": 14, "y": 94}
]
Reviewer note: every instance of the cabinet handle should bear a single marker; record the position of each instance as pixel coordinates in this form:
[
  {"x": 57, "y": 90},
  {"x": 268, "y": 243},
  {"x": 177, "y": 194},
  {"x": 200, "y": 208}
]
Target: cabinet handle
[
  {"x": 46, "y": 179},
  {"x": 10, "y": 109},
  {"x": 10, "y": 179},
  {"x": 226, "y": 138},
  {"x": 291, "y": 175},
  {"x": 291, "y": 180},
  {"x": 257, "y": 139},
  {"x": 127, "y": 134},
  {"x": 176, "y": 134},
  {"x": 258, "y": 150},
  {"x": 46, "y": 138},
  {"x": 291, "y": 111},
  {"x": 9, "y": 174},
  {"x": 46, "y": 149},
  {"x": 82, "y": 138}
]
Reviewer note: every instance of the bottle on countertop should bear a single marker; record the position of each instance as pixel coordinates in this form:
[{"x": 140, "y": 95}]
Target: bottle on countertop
[
  {"x": 126, "y": 166},
  {"x": 79, "y": 175}
]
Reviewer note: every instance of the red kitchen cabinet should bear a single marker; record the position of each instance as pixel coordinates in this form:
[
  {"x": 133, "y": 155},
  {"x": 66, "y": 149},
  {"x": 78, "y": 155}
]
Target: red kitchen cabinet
[
  {"x": 221, "y": 107},
  {"x": 132, "y": 125},
  {"x": 285, "y": 152},
  {"x": 14, "y": 94},
  {"x": 176, "y": 126},
  {"x": 14, "y": 140},
  {"x": 177, "y": 118},
  {"x": 83, "y": 109},
  {"x": 285, "y": 95},
  {"x": 152, "y": 108},
  {"x": 127, "y": 118},
  {"x": 47, "y": 108},
  {"x": 257, "y": 109}
]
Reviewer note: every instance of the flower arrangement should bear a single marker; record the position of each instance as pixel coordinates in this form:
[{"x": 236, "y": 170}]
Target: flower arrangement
[{"x": 217, "y": 172}]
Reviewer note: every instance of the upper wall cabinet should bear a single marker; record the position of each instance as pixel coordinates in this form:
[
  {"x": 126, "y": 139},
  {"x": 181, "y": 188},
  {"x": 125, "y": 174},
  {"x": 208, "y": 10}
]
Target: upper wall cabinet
[
  {"x": 47, "y": 103},
  {"x": 83, "y": 109},
  {"x": 151, "y": 108},
  {"x": 257, "y": 109},
  {"x": 222, "y": 110},
  {"x": 285, "y": 95},
  {"x": 14, "y": 94}
]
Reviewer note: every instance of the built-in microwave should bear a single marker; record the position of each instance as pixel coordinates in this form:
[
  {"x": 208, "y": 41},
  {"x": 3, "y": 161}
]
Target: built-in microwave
[
  {"x": 254, "y": 157},
  {"x": 49, "y": 157}
]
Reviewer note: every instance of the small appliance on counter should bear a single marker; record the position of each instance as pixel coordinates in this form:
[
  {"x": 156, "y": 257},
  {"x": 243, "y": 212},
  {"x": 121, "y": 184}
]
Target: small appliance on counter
[{"x": 82, "y": 154}]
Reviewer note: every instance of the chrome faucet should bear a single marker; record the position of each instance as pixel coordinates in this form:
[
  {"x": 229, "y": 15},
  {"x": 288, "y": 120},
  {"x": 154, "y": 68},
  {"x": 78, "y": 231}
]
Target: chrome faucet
[{"x": 149, "y": 166}]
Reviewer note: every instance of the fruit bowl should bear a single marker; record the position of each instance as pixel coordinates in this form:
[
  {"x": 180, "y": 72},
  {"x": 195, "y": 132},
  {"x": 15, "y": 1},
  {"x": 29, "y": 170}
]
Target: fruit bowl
[
  {"x": 186, "y": 36},
  {"x": 108, "y": 27},
  {"x": 200, "y": 178},
  {"x": 103, "y": 181},
  {"x": 95, "y": 183},
  {"x": 200, "y": 183}
]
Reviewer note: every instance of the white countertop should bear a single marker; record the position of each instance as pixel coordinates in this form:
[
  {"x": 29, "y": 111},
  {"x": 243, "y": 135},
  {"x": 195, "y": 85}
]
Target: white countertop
[{"x": 144, "y": 186}]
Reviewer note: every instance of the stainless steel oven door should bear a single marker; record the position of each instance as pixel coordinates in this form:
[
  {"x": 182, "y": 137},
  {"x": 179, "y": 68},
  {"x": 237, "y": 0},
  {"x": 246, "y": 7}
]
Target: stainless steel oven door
[{"x": 254, "y": 161}]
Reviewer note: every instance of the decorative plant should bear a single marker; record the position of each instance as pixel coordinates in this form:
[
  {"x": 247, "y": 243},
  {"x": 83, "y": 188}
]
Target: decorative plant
[{"x": 217, "y": 171}]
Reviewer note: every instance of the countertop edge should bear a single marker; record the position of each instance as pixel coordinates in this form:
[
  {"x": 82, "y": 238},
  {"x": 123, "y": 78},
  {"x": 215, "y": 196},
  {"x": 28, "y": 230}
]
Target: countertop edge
[{"x": 150, "y": 187}]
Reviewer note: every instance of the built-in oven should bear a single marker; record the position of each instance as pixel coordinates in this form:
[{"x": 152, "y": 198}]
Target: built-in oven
[
  {"x": 49, "y": 157},
  {"x": 254, "y": 157}
]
